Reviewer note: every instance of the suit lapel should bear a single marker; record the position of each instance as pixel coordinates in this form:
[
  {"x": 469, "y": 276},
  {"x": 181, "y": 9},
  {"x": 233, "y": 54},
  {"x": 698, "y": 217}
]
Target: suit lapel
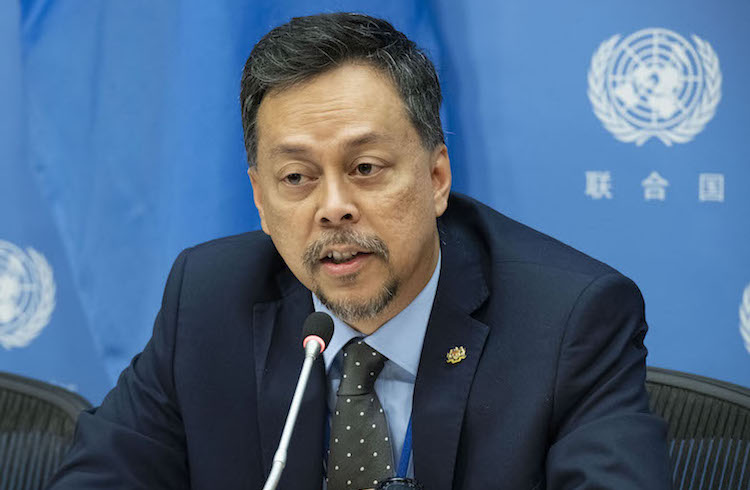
[
  {"x": 442, "y": 388},
  {"x": 277, "y": 334}
]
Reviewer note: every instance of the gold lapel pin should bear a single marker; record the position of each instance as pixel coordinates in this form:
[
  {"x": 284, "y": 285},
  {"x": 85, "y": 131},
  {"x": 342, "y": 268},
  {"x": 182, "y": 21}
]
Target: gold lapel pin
[{"x": 455, "y": 355}]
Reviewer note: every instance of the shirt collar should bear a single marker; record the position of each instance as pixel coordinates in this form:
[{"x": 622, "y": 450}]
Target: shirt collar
[{"x": 400, "y": 339}]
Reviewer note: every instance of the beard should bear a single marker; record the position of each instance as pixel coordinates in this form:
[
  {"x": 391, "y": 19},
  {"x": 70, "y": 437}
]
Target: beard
[{"x": 352, "y": 310}]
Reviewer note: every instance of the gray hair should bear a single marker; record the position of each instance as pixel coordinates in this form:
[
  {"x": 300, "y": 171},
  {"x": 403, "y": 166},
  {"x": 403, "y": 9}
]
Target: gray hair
[{"x": 308, "y": 46}]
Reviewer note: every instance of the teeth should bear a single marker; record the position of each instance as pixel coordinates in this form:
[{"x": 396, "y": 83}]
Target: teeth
[{"x": 339, "y": 257}]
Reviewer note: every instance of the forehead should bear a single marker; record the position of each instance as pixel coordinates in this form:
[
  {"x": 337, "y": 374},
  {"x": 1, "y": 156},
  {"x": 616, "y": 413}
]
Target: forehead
[{"x": 347, "y": 101}]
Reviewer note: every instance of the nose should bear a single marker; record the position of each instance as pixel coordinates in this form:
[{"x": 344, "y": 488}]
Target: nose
[{"x": 337, "y": 206}]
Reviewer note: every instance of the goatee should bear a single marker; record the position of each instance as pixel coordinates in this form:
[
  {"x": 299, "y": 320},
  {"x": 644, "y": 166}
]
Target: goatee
[{"x": 352, "y": 311}]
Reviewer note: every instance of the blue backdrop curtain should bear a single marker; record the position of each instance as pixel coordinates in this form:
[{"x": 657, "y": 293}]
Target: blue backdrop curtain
[{"x": 121, "y": 144}]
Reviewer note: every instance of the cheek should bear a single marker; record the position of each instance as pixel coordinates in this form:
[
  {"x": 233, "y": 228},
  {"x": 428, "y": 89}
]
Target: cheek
[
  {"x": 407, "y": 216},
  {"x": 287, "y": 228},
  {"x": 406, "y": 192}
]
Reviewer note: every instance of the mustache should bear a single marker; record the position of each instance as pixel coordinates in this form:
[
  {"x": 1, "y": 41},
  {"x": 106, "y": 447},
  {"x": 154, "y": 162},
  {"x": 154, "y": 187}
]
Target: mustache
[{"x": 367, "y": 243}]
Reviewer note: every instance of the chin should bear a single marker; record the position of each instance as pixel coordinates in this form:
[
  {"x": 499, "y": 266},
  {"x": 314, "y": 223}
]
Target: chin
[{"x": 351, "y": 309}]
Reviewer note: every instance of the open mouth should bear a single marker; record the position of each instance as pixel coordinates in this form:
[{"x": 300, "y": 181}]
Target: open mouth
[{"x": 335, "y": 257}]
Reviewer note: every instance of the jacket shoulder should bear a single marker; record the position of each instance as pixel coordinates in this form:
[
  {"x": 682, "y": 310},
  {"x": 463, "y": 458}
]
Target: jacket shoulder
[
  {"x": 505, "y": 241},
  {"x": 246, "y": 264}
]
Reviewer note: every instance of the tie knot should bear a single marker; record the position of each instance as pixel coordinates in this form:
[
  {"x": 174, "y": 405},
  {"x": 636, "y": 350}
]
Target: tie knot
[{"x": 362, "y": 365}]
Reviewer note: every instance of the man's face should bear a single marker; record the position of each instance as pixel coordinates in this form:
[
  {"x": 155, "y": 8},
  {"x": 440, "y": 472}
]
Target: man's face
[{"x": 348, "y": 193}]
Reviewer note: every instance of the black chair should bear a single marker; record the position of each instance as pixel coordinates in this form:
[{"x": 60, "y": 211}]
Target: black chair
[
  {"x": 709, "y": 429},
  {"x": 37, "y": 421}
]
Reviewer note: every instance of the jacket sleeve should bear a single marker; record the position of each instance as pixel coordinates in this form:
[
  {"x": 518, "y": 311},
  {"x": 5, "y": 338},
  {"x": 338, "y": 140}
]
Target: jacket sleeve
[
  {"x": 603, "y": 434},
  {"x": 135, "y": 439}
]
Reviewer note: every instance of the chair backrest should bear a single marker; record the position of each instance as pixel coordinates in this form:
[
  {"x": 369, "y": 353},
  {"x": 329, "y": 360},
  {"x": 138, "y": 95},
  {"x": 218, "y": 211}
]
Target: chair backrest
[
  {"x": 37, "y": 421},
  {"x": 709, "y": 429}
]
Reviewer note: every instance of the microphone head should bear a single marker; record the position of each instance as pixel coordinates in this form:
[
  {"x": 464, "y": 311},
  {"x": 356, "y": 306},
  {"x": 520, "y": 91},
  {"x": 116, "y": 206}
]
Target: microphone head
[{"x": 320, "y": 325}]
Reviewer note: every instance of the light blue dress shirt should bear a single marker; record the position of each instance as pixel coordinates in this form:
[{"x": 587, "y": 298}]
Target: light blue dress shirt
[{"x": 400, "y": 340}]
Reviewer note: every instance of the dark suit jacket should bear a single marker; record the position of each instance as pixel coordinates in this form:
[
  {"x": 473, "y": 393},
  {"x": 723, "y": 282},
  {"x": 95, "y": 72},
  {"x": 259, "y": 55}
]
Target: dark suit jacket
[{"x": 550, "y": 395}]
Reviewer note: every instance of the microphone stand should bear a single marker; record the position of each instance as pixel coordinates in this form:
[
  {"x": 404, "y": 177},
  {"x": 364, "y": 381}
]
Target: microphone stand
[{"x": 312, "y": 350}]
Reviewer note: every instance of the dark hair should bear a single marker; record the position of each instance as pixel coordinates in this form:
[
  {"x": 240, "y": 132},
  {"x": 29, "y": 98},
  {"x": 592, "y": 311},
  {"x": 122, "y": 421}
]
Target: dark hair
[{"x": 308, "y": 46}]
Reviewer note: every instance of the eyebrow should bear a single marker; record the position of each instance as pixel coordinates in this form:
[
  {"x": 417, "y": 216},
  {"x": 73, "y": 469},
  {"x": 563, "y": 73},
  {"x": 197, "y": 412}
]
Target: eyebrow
[
  {"x": 361, "y": 140},
  {"x": 368, "y": 138}
]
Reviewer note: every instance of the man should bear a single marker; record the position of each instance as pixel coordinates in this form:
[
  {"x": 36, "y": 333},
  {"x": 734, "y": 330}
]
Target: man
[{"x": 494, "y": 356}]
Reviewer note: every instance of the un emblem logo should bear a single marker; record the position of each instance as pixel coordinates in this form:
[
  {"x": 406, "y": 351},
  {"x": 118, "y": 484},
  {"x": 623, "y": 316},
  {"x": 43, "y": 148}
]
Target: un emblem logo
[
  {"x": 27, "y": 295},
  {"x": 745, "y": 317},
  {"x": 654, "y": 83}
]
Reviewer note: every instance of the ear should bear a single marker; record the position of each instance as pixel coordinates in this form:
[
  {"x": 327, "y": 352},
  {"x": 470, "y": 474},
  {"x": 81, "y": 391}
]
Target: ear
[
  {"x": 254, "y": 175},
  {"x": 440, "y": 174}
]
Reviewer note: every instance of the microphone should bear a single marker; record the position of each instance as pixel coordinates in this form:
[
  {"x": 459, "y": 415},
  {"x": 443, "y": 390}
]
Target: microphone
[{"x": 317, "y": 332}]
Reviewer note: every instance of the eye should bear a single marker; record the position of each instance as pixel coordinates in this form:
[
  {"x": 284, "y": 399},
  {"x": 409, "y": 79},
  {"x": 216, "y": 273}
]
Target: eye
[
  {"x": 293, "y": 179},
  {"x": 365, "y": 169}
]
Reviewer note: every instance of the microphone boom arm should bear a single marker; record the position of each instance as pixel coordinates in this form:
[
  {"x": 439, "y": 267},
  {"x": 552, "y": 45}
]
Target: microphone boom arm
[{"x": 312, "y": 350}]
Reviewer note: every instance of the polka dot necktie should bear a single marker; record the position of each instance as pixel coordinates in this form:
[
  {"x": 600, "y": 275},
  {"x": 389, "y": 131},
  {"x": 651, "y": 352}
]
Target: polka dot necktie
[{"x": 360, "y": 449}]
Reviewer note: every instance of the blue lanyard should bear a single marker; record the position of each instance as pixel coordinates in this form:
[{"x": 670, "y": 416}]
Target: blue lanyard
[{"x": 403, "y": 464}]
